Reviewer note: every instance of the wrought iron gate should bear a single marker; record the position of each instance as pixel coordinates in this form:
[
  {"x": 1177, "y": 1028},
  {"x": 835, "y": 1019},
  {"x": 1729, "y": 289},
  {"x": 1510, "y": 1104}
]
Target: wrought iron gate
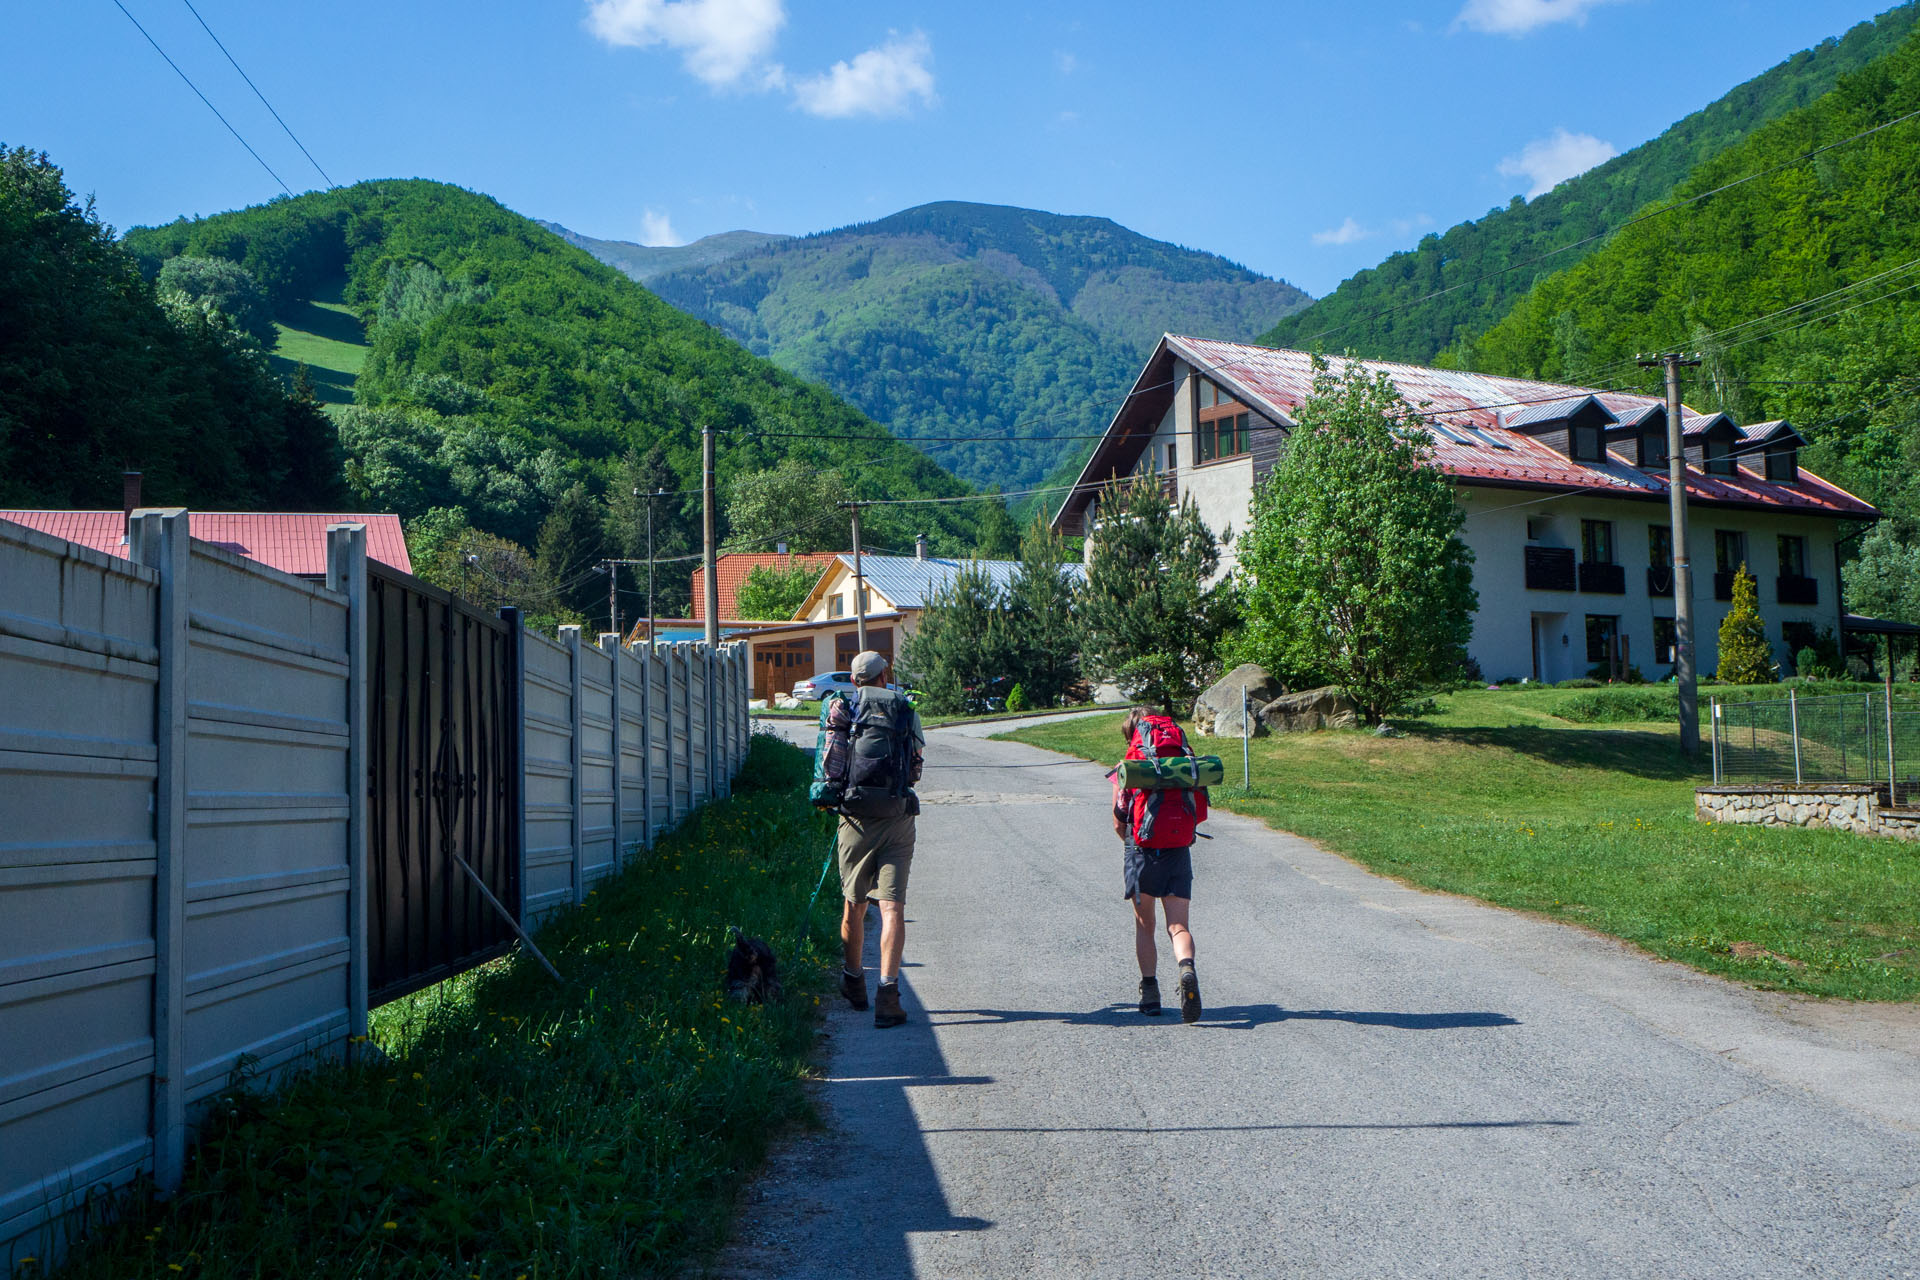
[{"x": 443, "y": 770}]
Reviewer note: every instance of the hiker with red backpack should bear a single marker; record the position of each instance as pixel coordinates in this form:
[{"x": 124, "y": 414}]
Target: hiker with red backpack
[{"x": 1155, "y": 822}]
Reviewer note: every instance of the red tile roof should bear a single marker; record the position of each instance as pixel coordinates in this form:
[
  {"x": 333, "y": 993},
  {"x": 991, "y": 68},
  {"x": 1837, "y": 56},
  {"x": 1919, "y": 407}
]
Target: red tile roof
[
  {"x": 1276, "y": 381},
  {"x": 291, "y": 541},
  {"x": 731, "y": 571}
]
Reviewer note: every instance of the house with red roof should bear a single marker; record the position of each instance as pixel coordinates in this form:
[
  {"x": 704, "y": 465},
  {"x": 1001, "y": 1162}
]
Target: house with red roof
[
  {"x": 291, "y": 541},
  {"x": 1564, "y": 490},
  {"x": 731, "y": 570}
]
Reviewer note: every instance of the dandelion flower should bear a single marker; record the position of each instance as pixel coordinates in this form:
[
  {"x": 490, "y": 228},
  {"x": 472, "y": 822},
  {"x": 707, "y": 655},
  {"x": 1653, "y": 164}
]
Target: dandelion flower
[{"x": 389, "y": 1225}]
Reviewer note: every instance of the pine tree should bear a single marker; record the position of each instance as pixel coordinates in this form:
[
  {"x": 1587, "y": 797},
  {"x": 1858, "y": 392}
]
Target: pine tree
[
  {"x": 1042, "y": 623},
  {"x": 1745, "y": 655},
  {"x": 570, "y": 544},
  {"x": 1151, "y": 623},
  {"x": 961, "y": 649}
]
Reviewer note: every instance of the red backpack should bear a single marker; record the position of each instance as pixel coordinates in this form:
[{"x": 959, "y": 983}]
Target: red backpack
[{"x": 1162, "y": 818}]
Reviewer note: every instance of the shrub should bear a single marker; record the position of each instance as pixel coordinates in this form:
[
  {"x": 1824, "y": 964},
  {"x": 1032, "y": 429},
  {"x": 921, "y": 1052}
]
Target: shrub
[
  {"x": 1745, "y": 655},
  {"x": 1579, "y": 682},
  {"x": 1016, "y": 699},
  {"x": 1619, "y": 705}
]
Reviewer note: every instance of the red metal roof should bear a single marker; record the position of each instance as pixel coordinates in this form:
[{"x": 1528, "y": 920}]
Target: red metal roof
[
  {"x": 291, "y": 541},
  {"x": 731, "y": 571},
  {"x": 1277, "y": 381}
]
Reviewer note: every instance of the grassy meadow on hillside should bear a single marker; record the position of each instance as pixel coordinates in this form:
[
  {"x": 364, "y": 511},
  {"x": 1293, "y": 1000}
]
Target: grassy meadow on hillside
[
  {"x": 1496, "y": 797},
  {"x": 324, "y": 334}
]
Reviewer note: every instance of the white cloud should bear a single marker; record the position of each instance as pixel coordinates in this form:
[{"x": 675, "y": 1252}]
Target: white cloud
[
  {"x": 1518, "y": 17},
  {"x": 1067, "y": 63},
  {"x": 656, "y": 230},
  {"x": 1346, "y": 233},
  {"x": 1407, "y": 226},
  {"x": 1547, "y": 162},
  {"x": 883, "y": 81},
  {"x": 724, "y": 43}
]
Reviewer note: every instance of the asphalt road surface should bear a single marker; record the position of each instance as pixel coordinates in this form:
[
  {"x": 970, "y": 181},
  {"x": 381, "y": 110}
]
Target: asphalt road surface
[{"x": 1386, "y": 1082}]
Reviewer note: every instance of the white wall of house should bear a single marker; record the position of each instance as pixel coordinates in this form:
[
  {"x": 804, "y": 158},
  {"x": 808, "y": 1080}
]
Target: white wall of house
[
  {"x": 1222, "y": 490},
  {"x": 1503, "y": 631}
]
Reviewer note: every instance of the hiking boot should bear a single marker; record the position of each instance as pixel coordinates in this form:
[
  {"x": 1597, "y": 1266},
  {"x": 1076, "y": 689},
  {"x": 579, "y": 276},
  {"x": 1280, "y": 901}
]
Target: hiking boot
[
  {"x": 854, "y": 987},
  {"x": 886, "y": 1006},
  {"x": 1150, "y": 997},
  {"x": 1189, "y": 994}
]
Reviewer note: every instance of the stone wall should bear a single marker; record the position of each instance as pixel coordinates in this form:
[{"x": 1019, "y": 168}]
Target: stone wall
[{"x": 1843, "y": 806}]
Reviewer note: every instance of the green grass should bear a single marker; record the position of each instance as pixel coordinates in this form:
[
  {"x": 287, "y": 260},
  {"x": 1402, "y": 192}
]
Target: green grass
[
  {"x": 1494, "y": 796},
  {"x": 811, "y": 711},
  {"x": 323, "y": 334},
  {"x": 597, "y": 1128}
]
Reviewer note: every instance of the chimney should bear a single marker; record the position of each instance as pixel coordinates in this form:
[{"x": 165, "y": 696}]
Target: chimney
[
  {"x": 129, "y": 501},
  {"x": 920, "y": 547},
  {"x": 780, "y": 548}
]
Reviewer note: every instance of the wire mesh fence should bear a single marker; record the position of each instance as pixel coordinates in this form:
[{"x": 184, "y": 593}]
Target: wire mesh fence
[{"x": 1855, "y": 737}]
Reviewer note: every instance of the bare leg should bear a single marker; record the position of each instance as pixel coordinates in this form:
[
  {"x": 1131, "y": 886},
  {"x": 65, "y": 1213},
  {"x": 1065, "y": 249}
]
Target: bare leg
[
  {"x": 893, "y": 939},
  {"x": 1143, "y": 948},
  {"x": 853, "y": 933},
  {"x": 1176, "y": 909}
]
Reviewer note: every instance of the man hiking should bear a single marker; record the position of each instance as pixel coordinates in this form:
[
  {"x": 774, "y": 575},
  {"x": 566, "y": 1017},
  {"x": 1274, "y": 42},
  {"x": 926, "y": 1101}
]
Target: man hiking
[
  {"x": 1156, "y": 831},
  {"x": 873, "y": 777}
]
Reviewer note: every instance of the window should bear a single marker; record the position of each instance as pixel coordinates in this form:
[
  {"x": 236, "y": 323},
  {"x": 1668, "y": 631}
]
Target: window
[
  {"x": 1799, "y": 635},
  {"x": 1602, "y": 630},
  {"x": 1729, "y": 550},
  {"x": 1793, "y": 556},
  {"x": 1783, "y": 464},
  {"x": 1660, "y": 546},
  {"x": 1596, "y": 541},
  {"x": 1220, "y": 425},
  {"x": 1664, "y": 634},
  {"x": 1585, "y": 444},
  {"x": 1719, "y": 453},
  {"x": 1653, "y": 448},
  {"x": 1173, "y": 458},
  {"x": 1538, "y": 527},
  {"x": 836, "y": 606}
]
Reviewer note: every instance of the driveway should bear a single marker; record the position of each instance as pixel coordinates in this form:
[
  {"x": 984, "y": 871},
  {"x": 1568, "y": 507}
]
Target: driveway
[{"x": 1387, "y": 1082}]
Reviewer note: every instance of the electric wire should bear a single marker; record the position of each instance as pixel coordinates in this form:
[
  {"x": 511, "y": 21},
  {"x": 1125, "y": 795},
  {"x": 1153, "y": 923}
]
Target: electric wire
[
  {"x": 203, "y": 97},
  {"x": 256, "y": 93}
]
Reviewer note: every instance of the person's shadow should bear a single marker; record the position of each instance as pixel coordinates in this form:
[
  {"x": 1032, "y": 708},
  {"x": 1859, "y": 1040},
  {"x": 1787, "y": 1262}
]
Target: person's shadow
[{"x": 1228, "y": 1017}]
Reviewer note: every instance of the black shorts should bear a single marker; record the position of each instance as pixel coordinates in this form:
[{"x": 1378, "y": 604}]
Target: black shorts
[{"x": 1158, "y": 873}]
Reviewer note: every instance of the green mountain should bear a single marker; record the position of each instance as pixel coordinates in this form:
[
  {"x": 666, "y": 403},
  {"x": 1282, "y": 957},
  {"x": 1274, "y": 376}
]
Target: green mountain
[
  {"x": 1798, "y": 289},
  {"x": 1374, "y": 313},
  {"x": 101, "y": 371},
  {"x": 644, "y": 262},
  {"x": 971, "y": 319},
  {"x": 513, "y": 383}
]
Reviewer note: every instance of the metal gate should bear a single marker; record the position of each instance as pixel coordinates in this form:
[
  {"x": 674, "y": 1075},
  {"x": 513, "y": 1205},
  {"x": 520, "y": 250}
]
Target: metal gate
[{"x": 443, "y": 773}]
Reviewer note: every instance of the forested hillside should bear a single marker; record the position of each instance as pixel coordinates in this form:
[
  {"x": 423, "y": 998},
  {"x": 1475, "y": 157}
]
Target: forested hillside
[
  {"x": 969, "y": 319},
  {"x": 1374, "y": 313},
  {"x": 1801, "y": 290},
  {"x": 101, "y": 370},
  {"x": 519, "y": 390},
  {"x": 645, "y": 262}
]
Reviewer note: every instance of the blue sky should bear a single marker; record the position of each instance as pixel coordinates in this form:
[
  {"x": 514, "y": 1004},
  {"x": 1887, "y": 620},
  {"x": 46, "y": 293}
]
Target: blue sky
[{"x": 1304, "y": 140}]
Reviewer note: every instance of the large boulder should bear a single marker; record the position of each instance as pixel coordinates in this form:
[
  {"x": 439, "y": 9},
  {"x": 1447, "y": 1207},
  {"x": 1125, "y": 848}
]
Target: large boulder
[
  {"x": 1218, "y": 712},
  {"x": 1106, "y": 695},
  {"x": 1322, "y": 708}
]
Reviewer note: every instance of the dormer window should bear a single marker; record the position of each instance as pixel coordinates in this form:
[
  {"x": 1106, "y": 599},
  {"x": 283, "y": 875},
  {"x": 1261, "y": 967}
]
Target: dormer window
[
  {"x": 1719, "y": 455},
  {"x": 1220, "y": 425},
  {"x": 1783, "y": 463},
  {"x": 1653, "y": 448},
  {"x": 1586, "y": 442}
]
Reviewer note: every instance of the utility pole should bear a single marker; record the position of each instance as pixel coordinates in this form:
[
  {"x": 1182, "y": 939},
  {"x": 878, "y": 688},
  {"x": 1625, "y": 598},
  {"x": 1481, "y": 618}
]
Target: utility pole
[
  {"x": 707, "y": 557},
  {"x": 859, "y": 581},
  {"x": 650, "y": 497},
  {"x": 613, "y": 596},
  {"x": 1683, "y": 650}
]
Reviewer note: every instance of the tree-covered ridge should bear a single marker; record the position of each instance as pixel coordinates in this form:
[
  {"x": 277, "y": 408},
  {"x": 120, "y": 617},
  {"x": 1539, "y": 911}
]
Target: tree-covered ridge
[
  {"x": 1374, "y": 313},
  {"x": 101, "y": 371},
  {"x": 643, "y": 262},
  {"x": 968, "y": 319},
  {"x": 1701, "y": 276},
  {"x": 515, "y": 380}
]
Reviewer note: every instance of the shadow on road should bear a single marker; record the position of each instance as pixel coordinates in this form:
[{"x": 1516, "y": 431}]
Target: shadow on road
[
  {"x": 1243, "y": 1017},
  {"x": 1272, "y": 1128}
]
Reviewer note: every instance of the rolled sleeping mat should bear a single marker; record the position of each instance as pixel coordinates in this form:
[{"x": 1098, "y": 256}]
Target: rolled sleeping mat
[{"x": 1184, "y": 772}]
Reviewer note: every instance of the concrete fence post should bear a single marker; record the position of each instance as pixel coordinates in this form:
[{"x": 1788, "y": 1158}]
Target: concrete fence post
[
  {"x": 347, "y": 575},
  {"x": 516, "y": 637},
  {"x": 610, "y": 645},
  {"x": 570, "y": 638},
  {"x": 159, "y": 539}
]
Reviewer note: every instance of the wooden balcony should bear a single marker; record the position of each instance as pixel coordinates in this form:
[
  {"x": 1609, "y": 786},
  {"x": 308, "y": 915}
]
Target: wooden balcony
[
  {"x": 1551, "y": 569},
  {"x": 1601, "y": 578}
]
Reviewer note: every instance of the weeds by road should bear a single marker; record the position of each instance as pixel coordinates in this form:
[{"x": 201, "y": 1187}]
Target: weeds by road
[
  {"x": 1495, "y": 797},
  {"x": 523, "y": 1128}
]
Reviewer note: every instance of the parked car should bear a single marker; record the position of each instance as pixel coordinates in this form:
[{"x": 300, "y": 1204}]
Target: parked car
[{"x": 815, "y": 687}]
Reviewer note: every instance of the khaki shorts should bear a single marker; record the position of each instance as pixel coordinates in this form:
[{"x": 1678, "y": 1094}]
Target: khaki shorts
[{"x": 875, "y": 856}]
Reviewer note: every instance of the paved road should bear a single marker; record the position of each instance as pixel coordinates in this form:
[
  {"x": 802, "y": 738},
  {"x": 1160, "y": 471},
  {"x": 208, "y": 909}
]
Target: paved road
[{"x": 1387, "y": 1083}]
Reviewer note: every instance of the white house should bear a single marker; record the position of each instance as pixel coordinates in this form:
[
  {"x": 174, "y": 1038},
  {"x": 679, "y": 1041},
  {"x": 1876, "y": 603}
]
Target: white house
[{"x": 1564, "y": 490}]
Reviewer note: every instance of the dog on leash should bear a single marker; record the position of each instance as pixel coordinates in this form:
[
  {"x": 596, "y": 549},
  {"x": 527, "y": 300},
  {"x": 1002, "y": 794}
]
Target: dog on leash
[{"x": 753, "y": 972}]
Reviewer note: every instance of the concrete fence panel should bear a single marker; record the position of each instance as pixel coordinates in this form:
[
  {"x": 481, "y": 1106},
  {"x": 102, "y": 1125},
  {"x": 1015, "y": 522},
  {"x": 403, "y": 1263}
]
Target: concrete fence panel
[
  {"x": 630, "y": 668},
  {"x": 599, "y": 800},
  {"x": 548, "y": 766},
  {"x": 659, "y": 741},
  {"x": 679, "y": 666}
]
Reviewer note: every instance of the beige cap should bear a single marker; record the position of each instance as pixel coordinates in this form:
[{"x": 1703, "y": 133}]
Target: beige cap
[{"x": 868, "y": 665}]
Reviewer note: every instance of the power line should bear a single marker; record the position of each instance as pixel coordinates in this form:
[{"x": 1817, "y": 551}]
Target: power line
[
  {"x": 256, "y": 93},
  {"x": 1602, "y": 234},
  {"x": 203, "y": 97}
]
